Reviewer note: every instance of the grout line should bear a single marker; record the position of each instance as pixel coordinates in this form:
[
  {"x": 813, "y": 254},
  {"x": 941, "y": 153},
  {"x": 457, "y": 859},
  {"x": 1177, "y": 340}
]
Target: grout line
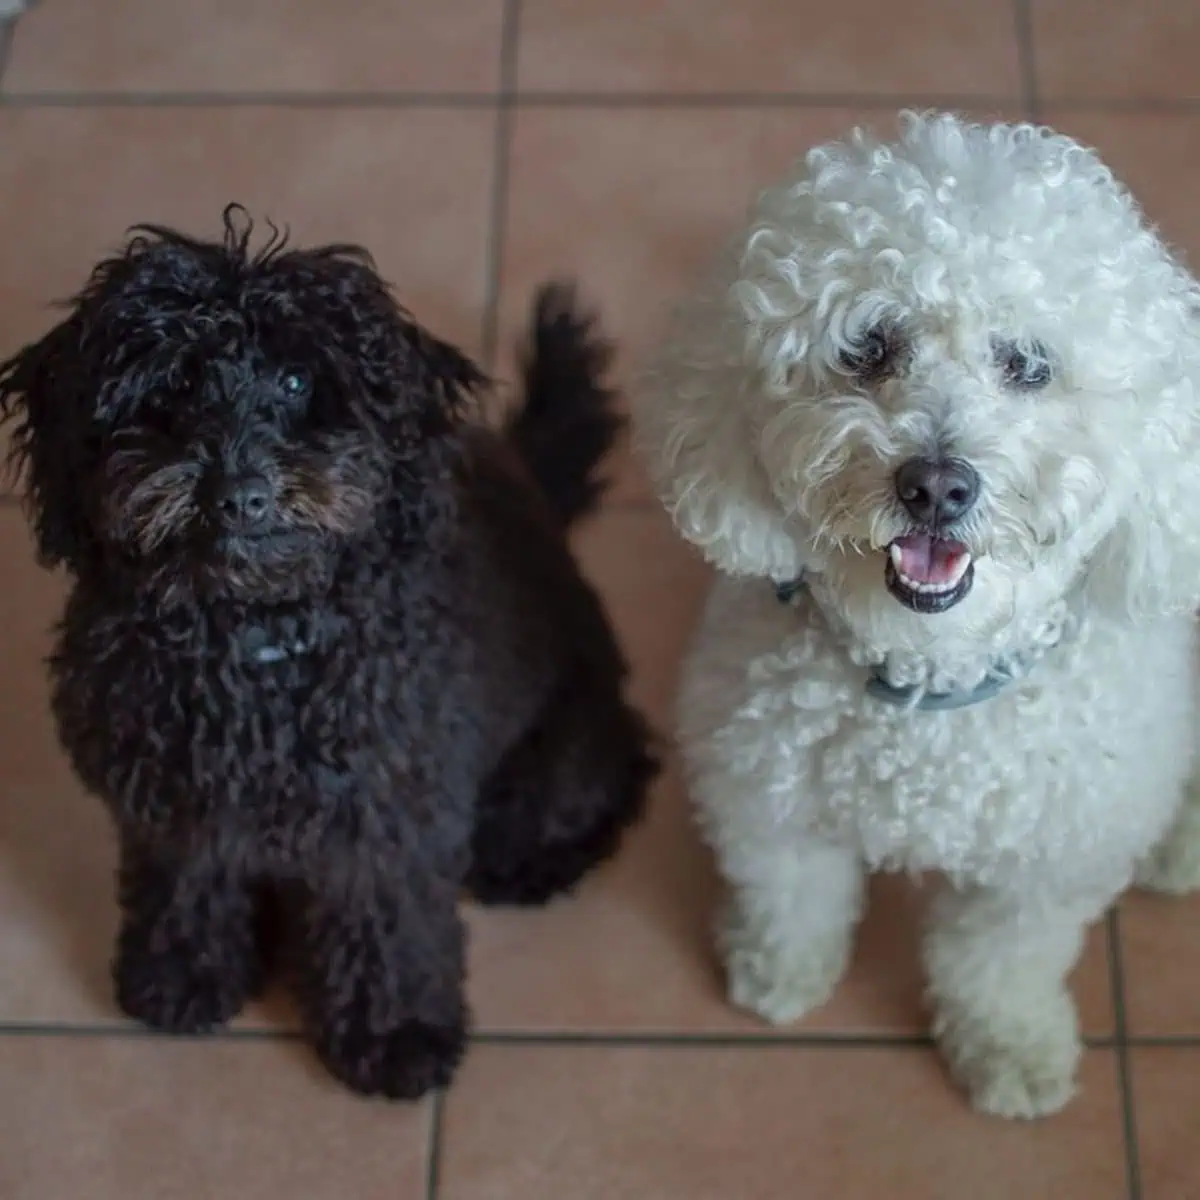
[
  {"x": 433, "y": 1151},
  {"x": 1027, "y": 58},
  {"x": 1133, "y": 1171},
  {"x": 8, "y": 31},
  {"x": 498, "y": 207},
  {"x": 168, "y": 100},
  {"x": 128, "y": 1030},
  {"x": 506, "y": 96},
  {"x": 495, "y": 1037},
  {"x": 826, "y": 1040},
  {"x": 1164, "y": 1041},
  {"x": 648, "y": 1039},
  {"x": 701, "y": 1041},
  {"x": 602, "y": 101},
  {"x": 882, "y": 102}
]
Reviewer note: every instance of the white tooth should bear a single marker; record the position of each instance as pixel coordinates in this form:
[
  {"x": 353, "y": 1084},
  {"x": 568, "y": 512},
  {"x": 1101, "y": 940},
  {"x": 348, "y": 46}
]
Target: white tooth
[
  {"x": 896, "y": 555},
  {"x": 960, "y": 569}
]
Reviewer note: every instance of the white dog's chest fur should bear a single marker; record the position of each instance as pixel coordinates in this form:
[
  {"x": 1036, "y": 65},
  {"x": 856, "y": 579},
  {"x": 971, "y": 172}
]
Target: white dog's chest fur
[{"x": 1063, "y": 771}]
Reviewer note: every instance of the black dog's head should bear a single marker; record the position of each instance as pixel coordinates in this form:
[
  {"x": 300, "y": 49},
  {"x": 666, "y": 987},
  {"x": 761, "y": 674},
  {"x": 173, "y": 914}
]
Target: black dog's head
[{"x": 226, "y": 420}]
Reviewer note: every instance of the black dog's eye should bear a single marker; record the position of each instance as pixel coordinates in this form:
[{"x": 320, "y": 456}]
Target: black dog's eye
[
  {"x": 296, "y": 384},
  {"x": 1028, "y": 369},
  {"x": 873, "y": 357}
]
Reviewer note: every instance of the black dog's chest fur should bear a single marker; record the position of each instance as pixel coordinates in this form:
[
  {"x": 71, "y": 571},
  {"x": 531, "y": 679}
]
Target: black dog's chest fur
[{"x": 191, "y": 738}]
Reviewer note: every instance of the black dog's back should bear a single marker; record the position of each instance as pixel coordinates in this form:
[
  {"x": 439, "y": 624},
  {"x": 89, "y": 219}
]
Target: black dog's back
[
  {"x": 558, "y": 801},
  {"x": 567, "y": 422}
]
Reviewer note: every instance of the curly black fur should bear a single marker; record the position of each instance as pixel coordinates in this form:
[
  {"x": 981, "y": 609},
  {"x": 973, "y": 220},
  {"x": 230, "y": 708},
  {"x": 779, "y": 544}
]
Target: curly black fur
[{"x": 326, "y": 656}]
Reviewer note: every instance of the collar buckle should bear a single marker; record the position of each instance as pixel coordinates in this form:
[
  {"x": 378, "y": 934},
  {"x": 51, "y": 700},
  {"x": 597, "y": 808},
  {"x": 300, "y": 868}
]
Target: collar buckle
[{"x": 258, "y": 649}]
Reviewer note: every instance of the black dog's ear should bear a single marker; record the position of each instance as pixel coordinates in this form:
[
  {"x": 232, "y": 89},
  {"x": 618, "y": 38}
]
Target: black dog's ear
[
  {"x": 40, "y": 398},
  {"x": 452, "y": 380}
]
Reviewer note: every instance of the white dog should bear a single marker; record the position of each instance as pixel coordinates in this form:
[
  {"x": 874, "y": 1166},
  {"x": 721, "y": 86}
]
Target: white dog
[{"x": 937, "y": 422}]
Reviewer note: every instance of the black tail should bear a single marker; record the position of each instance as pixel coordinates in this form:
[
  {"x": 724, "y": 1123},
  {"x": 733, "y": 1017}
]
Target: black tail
[{"x": 568, "y": 420}]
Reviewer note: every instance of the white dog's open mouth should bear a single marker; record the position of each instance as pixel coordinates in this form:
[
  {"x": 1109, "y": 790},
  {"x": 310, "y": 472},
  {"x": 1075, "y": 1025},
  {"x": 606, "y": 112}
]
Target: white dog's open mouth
[{"x": 928, "y": 574}]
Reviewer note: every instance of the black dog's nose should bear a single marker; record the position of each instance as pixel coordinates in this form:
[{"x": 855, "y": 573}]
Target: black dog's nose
[
  {"x": 244, "y": 500},
  {"x": 937, "y": 491}
]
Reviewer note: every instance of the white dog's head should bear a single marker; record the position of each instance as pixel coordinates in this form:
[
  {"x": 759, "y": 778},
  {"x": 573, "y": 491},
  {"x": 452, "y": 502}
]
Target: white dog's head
[{"x": 956, "y": 376}]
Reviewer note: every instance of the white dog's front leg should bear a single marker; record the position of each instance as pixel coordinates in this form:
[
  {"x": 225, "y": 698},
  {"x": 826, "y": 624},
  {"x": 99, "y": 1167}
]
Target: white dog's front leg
[
  {"x": 1174, "y": 865},
  {"x": 788, "y": 927},
  {"x": 997, "y": 965}
]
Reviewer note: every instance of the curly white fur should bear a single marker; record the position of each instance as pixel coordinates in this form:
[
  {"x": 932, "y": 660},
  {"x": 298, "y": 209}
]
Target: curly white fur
[{"x": 1036, "y": 806}]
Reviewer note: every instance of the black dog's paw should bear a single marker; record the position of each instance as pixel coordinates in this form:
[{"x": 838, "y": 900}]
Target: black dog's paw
[
  {"x": 401, "y": 1064},
  {"x": 179, "y": 991}
]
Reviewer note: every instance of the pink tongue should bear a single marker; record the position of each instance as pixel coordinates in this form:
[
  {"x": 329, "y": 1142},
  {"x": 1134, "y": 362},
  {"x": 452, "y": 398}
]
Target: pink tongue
[{"x": 929, "y": 560}]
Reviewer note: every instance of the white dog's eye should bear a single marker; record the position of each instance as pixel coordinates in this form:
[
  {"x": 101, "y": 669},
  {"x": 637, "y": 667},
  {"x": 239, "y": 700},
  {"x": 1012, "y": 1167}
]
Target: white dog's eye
[
  {"x": 873, "y": 356},
  {"x": 1027, "y": 369}
]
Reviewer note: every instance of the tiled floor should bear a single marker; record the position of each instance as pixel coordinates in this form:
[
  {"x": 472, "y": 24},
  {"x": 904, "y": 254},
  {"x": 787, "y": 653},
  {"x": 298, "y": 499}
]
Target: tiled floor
[{"x": 476, "y": 146}]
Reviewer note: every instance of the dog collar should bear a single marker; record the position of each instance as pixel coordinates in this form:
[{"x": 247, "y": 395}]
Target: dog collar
[{"x": 1001, "y": 673}]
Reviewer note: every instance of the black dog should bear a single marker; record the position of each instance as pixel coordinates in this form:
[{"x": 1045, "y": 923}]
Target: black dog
[{"x": 326, "y": 657}]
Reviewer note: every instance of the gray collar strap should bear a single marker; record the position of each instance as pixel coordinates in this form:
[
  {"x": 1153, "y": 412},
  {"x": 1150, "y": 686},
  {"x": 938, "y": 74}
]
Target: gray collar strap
[
  {"x": 1001, "y": 673},
  {"x": 998, "y": 676}
]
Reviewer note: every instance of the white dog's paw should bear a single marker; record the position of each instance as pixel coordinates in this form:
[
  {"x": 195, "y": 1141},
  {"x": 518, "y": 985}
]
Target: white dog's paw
[
  {"x": 1173, "y": 867},
  {"x": 1014, "y": 1068},
  {"x": 780, "y": 981},
  {"x": 1021, "y": 1085}
]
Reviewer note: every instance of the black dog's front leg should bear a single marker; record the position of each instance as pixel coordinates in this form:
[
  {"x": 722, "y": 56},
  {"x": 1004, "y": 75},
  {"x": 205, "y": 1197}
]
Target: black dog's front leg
[
  {"x": 190, "y": 950},
  {"x": 380, "y": 979}
]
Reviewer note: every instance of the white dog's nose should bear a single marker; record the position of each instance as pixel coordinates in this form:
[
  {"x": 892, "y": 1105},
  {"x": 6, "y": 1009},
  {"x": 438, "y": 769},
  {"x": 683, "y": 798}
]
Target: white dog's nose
[{"x": 937, "y": 491}]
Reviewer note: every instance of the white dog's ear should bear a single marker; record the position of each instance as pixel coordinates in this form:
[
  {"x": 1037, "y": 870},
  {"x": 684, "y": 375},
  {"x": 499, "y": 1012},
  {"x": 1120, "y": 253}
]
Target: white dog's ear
[
  {"x": 1149, "y": 563},
  {"x": 695, "y": 427}
]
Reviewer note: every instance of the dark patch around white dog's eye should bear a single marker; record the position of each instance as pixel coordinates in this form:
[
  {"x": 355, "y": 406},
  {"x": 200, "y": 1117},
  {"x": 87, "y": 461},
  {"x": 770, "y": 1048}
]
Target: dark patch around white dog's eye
[
  {"x": 1027, "y": 368},
  {"x": 874, "y": 356}
]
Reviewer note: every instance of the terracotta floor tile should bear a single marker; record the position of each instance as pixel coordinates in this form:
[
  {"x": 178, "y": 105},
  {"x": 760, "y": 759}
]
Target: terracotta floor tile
[
  {"x": 1157, "y": 155},
  {"x": 1160, "y": 942},
  {"x": 56, "y": 849},
  {"x": 254, "y": 46},
  {"x": 857, "y": 47},
  {"x": 632, "y": 949},
  {"x": 634, "y": 205},
  {"x": 1110, "y": 49},
  {"x": 116, "y": 1118},
  {"x": 1166, "y": 1090},
  {"x": 760, "y": 1123},
  {"x": 411, "y": 186}
]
